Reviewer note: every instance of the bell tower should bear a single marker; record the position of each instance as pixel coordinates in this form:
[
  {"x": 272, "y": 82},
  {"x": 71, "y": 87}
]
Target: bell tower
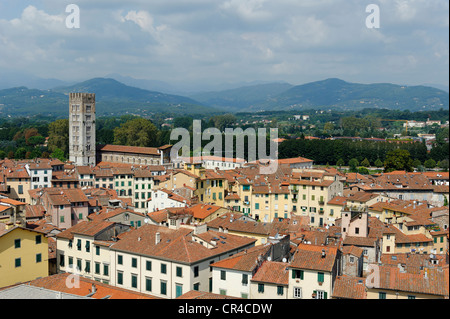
[{"x": 82, "y": 128}]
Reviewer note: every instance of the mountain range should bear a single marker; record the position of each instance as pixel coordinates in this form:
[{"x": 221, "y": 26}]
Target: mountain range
[{"x": 113, "y": 97}]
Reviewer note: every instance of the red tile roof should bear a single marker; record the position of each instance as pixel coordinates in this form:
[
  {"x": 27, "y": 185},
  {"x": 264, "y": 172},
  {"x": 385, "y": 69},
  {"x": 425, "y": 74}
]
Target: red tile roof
[
  {"x": 58, "y": 283},
  {"x": 310, "y": 257},
  {"x": 272, "y": 272}
]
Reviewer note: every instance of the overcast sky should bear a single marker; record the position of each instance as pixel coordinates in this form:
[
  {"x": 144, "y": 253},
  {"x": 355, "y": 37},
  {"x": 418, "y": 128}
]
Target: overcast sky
[{"x": 226, "y": 41}]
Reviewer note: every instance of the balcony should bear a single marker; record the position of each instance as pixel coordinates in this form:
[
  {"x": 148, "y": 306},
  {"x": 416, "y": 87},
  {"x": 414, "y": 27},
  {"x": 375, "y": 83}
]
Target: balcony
[
  {"x": 321, "y": 202},
  {"x": 294, "y": 200},
  {"x": 321, "y": 211}
]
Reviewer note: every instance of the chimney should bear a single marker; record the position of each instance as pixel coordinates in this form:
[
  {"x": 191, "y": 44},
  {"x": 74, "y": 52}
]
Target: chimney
[
  {"x": 157, "y": 238},
  {"x": 323, "y": 253}
]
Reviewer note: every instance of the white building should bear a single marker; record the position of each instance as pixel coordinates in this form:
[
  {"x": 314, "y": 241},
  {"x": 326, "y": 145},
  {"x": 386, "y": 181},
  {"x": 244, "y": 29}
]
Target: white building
[
  {"x": 40, "y": 174},
  {"x": 162, "y": 198}
]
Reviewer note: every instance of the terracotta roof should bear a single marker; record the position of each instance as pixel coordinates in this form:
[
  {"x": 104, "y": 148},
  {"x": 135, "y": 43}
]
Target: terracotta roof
[
  {"x": 58, "y": 283},
  {"x": 177, "y": 245},
  {"x": 238, "y": 225},
  {"x": 295, "y": 160},
  {"x": 128, "y": 149},
  {"x": 87, "y": 228},
  {"x": 33, "y": 211},
  {"x": 310, "y": 257},
  {"x": 12, "y": 202},
  {"x": 244, "y": 261},
  {"x": 434, "y": 283},
  {"x": 201, "y": 211},
  {"x": 272, "y": 272},
  {"x": 350, "y": 287}
]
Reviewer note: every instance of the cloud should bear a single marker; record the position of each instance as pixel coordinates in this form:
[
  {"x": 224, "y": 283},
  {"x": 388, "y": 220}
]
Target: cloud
[{"x": 209, "y": 41}]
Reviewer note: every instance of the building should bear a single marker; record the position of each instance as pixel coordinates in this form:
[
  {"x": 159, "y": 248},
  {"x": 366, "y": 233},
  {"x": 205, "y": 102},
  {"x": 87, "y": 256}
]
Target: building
[
  {"x": 169, "y": 262},
  {"x": 395, "y": 283},
  {"x": 82, "y": 129},
  {"x": 313, "y": 271},
  {"x": 23, "y": 255},
  {"x": 84, "y": 249}
]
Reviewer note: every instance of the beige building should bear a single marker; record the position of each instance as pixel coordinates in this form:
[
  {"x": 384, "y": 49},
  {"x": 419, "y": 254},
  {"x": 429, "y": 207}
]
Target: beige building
[
  {"x": 271, "y": 281},
  {"x": 82, "y": 129},
  {"x": 394, "y": 283},
  {"x": 84, "y": 249},
  {"x": 313, "y": 271}
]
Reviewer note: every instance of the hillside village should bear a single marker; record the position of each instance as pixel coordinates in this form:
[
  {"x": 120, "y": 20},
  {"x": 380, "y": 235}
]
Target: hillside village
[{"x": 133, "y": 225}]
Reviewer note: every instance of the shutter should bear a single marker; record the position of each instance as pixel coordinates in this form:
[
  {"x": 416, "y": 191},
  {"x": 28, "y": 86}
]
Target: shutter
[
  {"x": 301, "y": 274},
  {"x": 325, "y": 295}
]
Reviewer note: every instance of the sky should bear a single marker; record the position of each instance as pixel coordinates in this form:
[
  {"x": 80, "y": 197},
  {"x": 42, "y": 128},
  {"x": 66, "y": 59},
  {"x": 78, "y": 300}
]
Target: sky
[{"x": 205, "y": 42}]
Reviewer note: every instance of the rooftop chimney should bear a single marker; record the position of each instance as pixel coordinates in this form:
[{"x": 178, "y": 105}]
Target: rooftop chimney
[
  {"x": 323, "y": 253},
  {"x": 157, "y": 238}
]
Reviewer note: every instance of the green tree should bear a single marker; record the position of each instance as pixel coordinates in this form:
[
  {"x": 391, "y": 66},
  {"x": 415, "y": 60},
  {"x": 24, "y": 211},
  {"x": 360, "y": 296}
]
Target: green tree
[
  {"x": 398, "y": 159},
  {"x": 136, "y": 132},
  {"x": 59, "y": 154},
  {"x": 353, "y": 164},
  {"x": 340, "y": 162},
  {"x": 430, "y": 163},
  {"x": 378, "y": 163},
  {"x": 416, "y": 163},
  {"x": 20, "y": 153},
  {"x": 365, "y": 163},
  {"x": 58, "y": 136}
]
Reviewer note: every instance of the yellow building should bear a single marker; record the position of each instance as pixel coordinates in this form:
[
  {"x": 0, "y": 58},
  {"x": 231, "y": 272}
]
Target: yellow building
[
  {"x": 211, "y": 188},
  {"x": 23, "y": 255}
]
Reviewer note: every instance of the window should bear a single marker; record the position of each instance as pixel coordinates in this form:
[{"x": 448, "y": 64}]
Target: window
[
  {"x": 97, "y": 268},
  {"x": 38, "y": 239},
  {"x": 119, "y": 259},
  {"x": 79, "y": 244},
  {"x": 222, "y": 291},
  {"x": 120, "y": 278},
  {"x": 320, "y": 294},
  {"x": 61, "y": 261},
  {"x": 87, "y": 267},
  {"x": 16, "y": 243},
  {"x": 17, "y": 262},
  {"x": 320, "y": 276},
  {"x": 163, "y": 268},
  {"x": 280, "y": 290},
  {"x": 256, "y": 205},
  {"x": 88, "y": 246},
  {"x": 134, "y": 280},
  {"x": 411, "y": 297},
  {"x": 163, "y": 288},
  {"x": 148, "y": 265},
  {"x": 97, "y": 250},
  {"x": 105, "y": 270},
  {"x": 297, "y": 292},
  {"x": 381, "y": 295},
  {"x": 261, "y": 288},
  {"x": 297, "y": 274},
  {"x": 244, "y": 279},
  {"x": 134, "y": 262},
  {"x": 223, "y": 275},
  {"x": 38, "y": 258},
  {"x": 148, "y": 284},
  {"x": 357, "y": 230},
  {"x": 20, "y": 189},
  {"x": 179, "y": 272},
  {"x": 196, "y": 271}
]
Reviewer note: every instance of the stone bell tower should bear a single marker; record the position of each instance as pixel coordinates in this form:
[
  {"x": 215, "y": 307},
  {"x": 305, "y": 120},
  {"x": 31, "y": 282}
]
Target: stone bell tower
[{"x": 82, "y": 128}]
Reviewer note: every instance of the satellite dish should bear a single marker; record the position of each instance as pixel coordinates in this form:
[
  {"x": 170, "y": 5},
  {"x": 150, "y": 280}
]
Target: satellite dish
[
  {"x": 284, "y": 260},
  {"x": 269, "y": 258},
  {"x": 146, "y": 220}
]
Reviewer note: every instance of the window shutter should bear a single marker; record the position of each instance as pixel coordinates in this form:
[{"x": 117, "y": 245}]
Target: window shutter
[{"x": 301, "y": 274}]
